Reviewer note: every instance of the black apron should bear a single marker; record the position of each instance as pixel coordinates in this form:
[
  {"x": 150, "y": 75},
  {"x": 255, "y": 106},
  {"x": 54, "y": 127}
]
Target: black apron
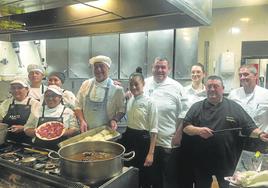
[
  {"x": 50, "y": 144},
  {"x": 18, "y": 114}
]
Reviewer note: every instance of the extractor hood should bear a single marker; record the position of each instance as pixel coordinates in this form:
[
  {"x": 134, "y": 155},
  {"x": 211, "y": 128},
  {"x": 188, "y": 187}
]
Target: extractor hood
[{"x": 45, "y": 19}]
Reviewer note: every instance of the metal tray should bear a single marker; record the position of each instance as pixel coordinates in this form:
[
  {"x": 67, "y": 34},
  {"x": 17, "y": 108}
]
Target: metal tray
[{"x": 91, "y": 132}]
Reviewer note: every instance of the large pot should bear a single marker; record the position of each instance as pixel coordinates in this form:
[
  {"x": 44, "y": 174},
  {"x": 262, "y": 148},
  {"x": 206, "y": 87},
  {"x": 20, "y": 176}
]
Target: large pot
[
  {"x": 3, "y": 132},
  {"x": 92, "y": 172}
]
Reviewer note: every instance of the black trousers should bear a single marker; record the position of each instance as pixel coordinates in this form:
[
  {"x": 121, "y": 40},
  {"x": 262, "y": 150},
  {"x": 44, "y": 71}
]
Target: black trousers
[
  {"x": 203, "y": 178},
  {"x": 165, "y": 167},
  {"x": 138, "y": 141}
]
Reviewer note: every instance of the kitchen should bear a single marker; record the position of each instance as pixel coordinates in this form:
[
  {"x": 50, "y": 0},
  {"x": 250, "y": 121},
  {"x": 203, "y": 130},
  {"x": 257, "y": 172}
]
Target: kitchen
[{"x": 207, "y": 43}]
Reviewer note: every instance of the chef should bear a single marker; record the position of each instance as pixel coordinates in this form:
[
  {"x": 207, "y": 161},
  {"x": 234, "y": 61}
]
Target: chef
[
  {"x": 167, "y": 94},
  {"x": 36, "y": 73},
  {"x": 213, "y": 153},
  {"x": 16, "y": 110},
  {"x": 58, "y": 78},
  {"x": 52, "y": 110},
  {"x": 99, "y": 101},
  {"x": 254, "y": 100}
]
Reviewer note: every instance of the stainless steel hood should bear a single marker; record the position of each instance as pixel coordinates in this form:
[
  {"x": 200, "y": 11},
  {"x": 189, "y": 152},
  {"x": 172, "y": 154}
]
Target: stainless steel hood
[{"x": 46, "y": 19}]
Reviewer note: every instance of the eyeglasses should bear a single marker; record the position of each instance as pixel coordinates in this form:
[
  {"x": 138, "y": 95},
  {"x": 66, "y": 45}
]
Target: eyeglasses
[
  {"x": 18, "y": 87},
  {"x": 51, "y": 95}
]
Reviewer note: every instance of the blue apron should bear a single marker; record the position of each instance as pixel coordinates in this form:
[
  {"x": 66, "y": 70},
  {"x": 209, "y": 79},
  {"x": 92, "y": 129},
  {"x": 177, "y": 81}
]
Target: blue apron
[{"x": 95, "y": 113}]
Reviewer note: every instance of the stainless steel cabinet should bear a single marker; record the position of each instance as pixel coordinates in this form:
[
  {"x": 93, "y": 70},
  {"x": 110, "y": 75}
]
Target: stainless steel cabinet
[
  {"x": 132, "y": 53},
  {"x": 160, "y": 44},
  {"x": 107, "y": 45},
  {"x": 186, "y": 45},
  {"x": 78, "y": 56},
  {"x": 57, "y": 55}
]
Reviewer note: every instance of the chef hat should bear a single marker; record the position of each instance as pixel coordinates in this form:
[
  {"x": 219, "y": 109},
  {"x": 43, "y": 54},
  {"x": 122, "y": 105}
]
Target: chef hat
[
  {"x": 60, "y": 75},
  {"x": 35, "y": 67},
  {"x": 55, "y": 89},
  {"x": 101, "y": 59},
  {"x": 22, "y": 82}
]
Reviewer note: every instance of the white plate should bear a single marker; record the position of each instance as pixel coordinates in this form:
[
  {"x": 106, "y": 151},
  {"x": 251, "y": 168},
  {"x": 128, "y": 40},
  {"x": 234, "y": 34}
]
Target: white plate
[{"x": 50, "y": 125}]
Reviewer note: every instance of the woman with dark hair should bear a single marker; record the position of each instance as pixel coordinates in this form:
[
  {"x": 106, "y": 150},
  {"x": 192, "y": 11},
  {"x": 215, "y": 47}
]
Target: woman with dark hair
[
  {"x": 68, "y": 98},
  {"x": 196, "y": 91},
  {"x": 141, "y": 132}
]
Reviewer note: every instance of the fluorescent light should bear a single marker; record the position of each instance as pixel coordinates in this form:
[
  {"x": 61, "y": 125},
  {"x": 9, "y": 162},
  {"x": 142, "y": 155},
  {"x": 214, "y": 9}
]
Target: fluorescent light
[
  {"x": 245, "y": 19},
  {"x": 234, "y": 30}
]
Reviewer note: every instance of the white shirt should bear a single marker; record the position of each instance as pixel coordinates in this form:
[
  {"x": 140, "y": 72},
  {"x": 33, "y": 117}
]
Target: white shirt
[
  {"x": 69, "y": 119},
  {"x": 35, "y": 105},
  {"x": 116, "y": 97},
  {"x": 142, "y": 114},
  {"x": 36, "y": 93},
  {"x": 255, "y": 104},
  {"x": 167, "y": 97},
  {"x": 191, "y": 96},
  {"x": 69, "y": 99}
]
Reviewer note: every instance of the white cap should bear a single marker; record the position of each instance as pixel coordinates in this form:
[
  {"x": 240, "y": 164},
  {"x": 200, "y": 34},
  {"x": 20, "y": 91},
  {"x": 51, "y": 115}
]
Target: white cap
[
  {"x": 22, "y": 82},
  {"x": 35, "y": 67},
  {"x": 101, "y": 59},
  {"x": 55, "y": 89}
]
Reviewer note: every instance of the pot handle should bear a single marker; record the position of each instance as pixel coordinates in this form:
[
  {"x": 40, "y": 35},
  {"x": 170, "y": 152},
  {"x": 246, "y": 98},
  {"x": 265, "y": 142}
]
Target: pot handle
[
  {"x": 53, "y": 157},
  {"x": 130, "y": 154}
]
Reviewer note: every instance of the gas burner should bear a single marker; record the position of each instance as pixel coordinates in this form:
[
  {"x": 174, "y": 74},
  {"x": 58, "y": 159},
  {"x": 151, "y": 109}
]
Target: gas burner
[
  {"x": 50, "y": 166},
  {"x": 11, "y": 156}
]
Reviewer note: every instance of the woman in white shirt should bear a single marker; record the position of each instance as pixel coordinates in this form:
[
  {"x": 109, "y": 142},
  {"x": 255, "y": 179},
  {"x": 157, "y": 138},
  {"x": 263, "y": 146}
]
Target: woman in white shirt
[
  {"x": 52, "y": 110},
  {"x": 68, "y": 98},
  {"x": 16, "y": 110},
  {"x": 194, "y": 92},
  {"x": 141, "y": 132}
]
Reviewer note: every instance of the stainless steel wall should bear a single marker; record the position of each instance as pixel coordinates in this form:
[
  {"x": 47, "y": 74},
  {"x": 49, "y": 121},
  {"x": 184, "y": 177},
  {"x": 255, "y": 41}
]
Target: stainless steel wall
[
  {"x": 132, "y": 53},
  {"x": 127, "y": 51}
]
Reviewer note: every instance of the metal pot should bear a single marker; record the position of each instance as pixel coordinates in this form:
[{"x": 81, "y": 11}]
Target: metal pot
[
  {"x": 3, "y": 132},
  {"x": 92, "y": 172}
]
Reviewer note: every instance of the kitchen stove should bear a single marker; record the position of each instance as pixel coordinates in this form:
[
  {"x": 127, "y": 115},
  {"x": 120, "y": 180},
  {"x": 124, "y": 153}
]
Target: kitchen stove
[{"x": 22, "y": 165}]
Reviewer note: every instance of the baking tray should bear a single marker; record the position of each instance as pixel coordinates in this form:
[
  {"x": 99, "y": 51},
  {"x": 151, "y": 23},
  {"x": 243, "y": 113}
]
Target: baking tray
[{"x": 91, "y": 132}]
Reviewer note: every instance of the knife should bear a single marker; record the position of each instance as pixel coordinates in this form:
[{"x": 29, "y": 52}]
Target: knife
[{"x": 230, "y": 129}]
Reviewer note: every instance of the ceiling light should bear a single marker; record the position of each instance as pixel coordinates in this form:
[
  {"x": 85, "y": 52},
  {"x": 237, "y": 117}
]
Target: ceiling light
[
  {"x": 235, "y": 30},
  {"x": 245, "y": 19}
]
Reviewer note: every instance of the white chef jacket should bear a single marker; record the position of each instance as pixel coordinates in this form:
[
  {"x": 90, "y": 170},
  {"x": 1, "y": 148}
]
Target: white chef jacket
[
  {"x": 190, "y": 97},
  {"x": 167, "y": 97},
  {"x": 69, "y": 99},
  {"x": 69, "y": 119},
  {"x": 255, "y": 104},
  {"x": 36, "y": 93},
  {"x": 35, "y": 105},
  {"x": 142, "y": 114},
  {"x": 116, "y": 97}
]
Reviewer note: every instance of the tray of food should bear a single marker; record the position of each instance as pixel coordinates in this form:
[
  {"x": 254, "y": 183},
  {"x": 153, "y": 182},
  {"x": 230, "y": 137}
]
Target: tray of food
[
  {"x": 251, "y": 171},
  {"x": 50, "y": 130},
  {"x": 103, "y": 133}
]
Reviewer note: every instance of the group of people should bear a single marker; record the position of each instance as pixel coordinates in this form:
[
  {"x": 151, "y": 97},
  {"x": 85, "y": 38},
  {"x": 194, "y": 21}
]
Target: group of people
[{"x": 171, "y": 128}]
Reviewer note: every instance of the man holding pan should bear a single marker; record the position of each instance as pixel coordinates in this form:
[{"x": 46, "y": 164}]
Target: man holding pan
[{"x": 211, "y": 150}]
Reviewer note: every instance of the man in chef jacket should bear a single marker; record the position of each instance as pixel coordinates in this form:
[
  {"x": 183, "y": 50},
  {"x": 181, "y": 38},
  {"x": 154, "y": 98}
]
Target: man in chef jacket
[
  {"x": 99, "y": 101},
  {"x": 36, "y": 73},
  {"x": 254, "y": 100},
  {"x": 211, "y": 150},
  {"x": 166, "y": 93}
]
